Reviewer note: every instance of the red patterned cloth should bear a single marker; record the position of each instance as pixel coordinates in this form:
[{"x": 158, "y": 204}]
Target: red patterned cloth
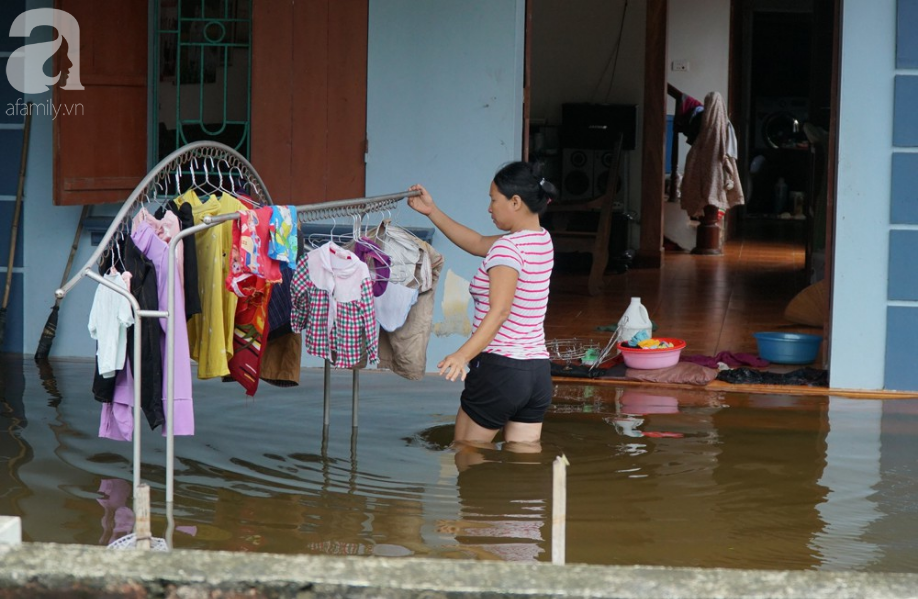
[
  {"x": 250, "y": 335},
  {"x": 249, "y": 257}
]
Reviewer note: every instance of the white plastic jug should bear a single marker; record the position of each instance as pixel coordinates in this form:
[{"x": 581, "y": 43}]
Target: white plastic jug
[{"x": 634, "y": 320}]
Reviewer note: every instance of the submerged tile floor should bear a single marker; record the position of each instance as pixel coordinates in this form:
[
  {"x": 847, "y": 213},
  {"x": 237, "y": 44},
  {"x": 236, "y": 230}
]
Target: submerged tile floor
[{"x": 715, "y": 303}]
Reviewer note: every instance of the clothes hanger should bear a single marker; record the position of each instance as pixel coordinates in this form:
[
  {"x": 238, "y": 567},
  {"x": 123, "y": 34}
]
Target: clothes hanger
[
  {"x": 242, "y": 193},
  {"x": 316, "y": 240},
  {"x": 114, "y": 250},
  {"x": 111, "y": 266},
  {"x": 161, "y": 185},
  {"x": 118, "y": 250},
  {"x": 178, "y": 180},
  {"x": 382, "y": 260},
  {"x": 202, "y": 189},
  {"x": 220, "y": 186},
  {"x": 195, "y": 186},
  {"x": 360, "y": 238},
  {"x": 220, "y": 175},
  {"x": 381, "y": 232},
  {"x": 356, "y": 231}
]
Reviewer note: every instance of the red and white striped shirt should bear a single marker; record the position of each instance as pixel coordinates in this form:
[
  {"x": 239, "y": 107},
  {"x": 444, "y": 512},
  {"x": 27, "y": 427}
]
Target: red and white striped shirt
[{"x": 532, "y": 255}]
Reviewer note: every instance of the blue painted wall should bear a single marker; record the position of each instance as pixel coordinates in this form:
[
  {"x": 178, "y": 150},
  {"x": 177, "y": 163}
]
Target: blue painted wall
[
  {"x": 47, "y": 232},
  {"x": 862, "y": 224},
  {"x": 444, "y": 108},
  {"x": 11, "y": 135},
  {"x": 902, "y": 287}
]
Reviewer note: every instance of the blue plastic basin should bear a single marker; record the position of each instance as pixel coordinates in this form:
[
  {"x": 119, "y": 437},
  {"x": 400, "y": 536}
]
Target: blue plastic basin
[{"x": 788, "y": 348}]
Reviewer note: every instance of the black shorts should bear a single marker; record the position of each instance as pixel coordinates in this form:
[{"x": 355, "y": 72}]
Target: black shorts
[{"x": 500, "y": 390}]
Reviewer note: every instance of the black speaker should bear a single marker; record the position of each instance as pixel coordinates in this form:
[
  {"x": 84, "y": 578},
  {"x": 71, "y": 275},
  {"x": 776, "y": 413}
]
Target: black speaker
[
  {"x": 577, "y": 174},
  {"x": 595, "y": 125},
  {"x": 602, "y": 161}
]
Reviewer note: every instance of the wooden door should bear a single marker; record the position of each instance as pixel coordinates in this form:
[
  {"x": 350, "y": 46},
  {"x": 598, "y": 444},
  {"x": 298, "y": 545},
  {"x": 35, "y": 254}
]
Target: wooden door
[
  {"x": 527, "y": 79},
  {"x": 100, "y": 132},
  {"x": 309, "y": 98},
  {"x": 650, "y": 253}
]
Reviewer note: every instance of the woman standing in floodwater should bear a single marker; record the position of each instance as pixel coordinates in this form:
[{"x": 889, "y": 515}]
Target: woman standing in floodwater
[{"x": 508, "y": 384}]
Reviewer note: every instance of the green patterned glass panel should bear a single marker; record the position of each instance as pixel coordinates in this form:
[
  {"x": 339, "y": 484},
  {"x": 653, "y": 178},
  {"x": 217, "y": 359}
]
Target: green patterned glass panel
[{"x": 203, "y": 73}]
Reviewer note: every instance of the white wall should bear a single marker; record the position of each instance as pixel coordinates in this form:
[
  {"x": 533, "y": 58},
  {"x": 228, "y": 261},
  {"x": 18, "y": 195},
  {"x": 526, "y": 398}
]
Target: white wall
[
  {"x": 863, "y": 194},
  {"x": 573, "y": 54},
  {"x": 444, "y": 108},
  {"x": 698, "y": 33},
  {"x": 573, "y": 59},
  {"x": 852, "y": 506}
]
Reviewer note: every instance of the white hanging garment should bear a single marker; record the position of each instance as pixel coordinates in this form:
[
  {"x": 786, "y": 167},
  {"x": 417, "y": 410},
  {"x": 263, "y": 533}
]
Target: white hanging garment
[
  {"x": 109, "y": 319},
  {"x": 393, "y": 306}
]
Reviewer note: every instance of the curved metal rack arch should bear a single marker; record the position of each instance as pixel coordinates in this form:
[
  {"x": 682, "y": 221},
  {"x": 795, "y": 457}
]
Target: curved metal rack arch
[{"x": 158, "y": 181}]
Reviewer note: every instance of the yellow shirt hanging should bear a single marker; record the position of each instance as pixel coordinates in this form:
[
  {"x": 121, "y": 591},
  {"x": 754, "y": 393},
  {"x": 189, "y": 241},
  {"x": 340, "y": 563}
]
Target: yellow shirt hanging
[{"x": 210, "y": 334}]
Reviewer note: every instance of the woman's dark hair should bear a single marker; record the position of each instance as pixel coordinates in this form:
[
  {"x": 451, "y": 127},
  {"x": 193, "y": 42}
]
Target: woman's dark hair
[{"x": 525, "y": 179}]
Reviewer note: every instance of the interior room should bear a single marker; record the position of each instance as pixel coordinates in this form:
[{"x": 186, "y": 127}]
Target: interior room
[{"x": 588, "y": 59}]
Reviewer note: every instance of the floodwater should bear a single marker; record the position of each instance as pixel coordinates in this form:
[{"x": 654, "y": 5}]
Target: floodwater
[{"x": 656, "y": 476}]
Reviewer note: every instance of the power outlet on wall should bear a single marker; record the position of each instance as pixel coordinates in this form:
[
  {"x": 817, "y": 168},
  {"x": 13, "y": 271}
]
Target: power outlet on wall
[{"x": 680, "y": 65}]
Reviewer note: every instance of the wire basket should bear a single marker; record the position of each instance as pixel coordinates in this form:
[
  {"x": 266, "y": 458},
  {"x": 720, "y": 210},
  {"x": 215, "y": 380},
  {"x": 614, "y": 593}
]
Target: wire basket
[
  {"x": 141, "y": 525},
  {"x": 129, "y": 541},
  {"x": 585, "y": 351},
  {"x": 571, "y": 349}
]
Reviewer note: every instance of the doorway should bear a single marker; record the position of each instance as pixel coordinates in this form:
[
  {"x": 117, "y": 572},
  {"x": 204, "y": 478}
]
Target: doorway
[
  {"x": 784, "y": 115},
  {"x": 803, "y": 33}
]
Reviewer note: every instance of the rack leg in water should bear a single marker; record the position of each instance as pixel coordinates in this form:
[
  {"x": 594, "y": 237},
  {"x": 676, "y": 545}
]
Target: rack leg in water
[
  {"x": 326, "y": 397},
  {"x": 355, "y": 393},
  {"x": 170, "y": 524},
  {"x": 559, "y": 509},
  {"x": 142, "y": 516}
]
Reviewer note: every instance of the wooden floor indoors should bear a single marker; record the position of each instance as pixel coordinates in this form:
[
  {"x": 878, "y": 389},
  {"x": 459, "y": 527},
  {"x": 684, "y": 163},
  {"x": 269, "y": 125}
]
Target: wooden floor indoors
[{"x": 714, "y": 302}]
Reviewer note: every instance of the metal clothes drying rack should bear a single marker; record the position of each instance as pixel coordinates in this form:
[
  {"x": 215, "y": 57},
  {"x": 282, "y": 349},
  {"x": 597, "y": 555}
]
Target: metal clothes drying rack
[{"x": 191, "y": 161}]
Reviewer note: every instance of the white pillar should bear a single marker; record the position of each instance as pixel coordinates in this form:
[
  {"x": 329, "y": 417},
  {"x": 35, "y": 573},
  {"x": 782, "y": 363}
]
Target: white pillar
[{"x": 10, "y": 531}]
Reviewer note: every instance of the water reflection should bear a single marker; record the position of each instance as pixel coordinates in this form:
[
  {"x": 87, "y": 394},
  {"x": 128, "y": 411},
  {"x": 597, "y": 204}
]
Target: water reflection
[
  {"x": 633, "y": 405},
  {"x": 657, "y": 476},
  {"x": 117, "y": 517},
  {"x": 781, "y": 478},
  {"x": 15, "y": 452},
  {"x": 504, "y": 497},
  {"x": 46, "y": 373}
]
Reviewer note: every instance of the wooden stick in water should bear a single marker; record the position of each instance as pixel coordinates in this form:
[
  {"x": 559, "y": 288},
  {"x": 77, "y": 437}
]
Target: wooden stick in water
[
  {"x": 559, "y": 509},
  {"x": 142, "y": 516}
]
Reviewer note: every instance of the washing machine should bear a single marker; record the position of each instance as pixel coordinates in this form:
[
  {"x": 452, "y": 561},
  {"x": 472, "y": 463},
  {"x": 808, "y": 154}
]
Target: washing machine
[{"x": 779, "y": 120}]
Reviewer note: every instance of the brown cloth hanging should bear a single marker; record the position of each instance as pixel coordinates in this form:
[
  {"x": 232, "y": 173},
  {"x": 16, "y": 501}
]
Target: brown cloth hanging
[{"x": 711, "y": 176}]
